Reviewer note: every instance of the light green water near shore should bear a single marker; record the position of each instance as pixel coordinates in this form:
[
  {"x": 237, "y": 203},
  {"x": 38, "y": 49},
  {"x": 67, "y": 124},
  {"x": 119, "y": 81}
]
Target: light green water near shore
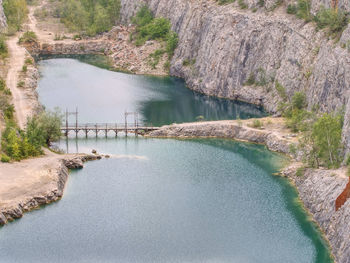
[{"x": 161, "y": 200}]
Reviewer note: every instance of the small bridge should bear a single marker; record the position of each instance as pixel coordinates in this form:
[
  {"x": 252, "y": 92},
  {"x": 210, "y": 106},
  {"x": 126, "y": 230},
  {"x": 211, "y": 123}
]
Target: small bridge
[
  {"x": 96, "y": 128},
  {"x": 106, "y": 128}
]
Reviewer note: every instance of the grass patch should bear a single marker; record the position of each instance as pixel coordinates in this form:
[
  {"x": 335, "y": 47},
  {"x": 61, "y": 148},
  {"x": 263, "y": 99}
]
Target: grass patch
[
  {"x": 333, "y": 21},
  {"x": 242, "y": 4},
  {"x": 224, "y": 2},
  {"x": 28, "y": 37}
]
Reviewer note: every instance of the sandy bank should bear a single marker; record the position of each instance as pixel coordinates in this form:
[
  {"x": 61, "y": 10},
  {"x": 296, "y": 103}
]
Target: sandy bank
[{"x": 30, "y": 183}]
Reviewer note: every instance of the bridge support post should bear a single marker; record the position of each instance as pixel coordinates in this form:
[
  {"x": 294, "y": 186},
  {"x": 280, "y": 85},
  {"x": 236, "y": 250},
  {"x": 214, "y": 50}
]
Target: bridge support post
[
  {"x": 66, "y": 132},
  {"x": 96, "y": 130},
  {"x": 76, "y": 123},
  {"x": 126, "y": 124}
]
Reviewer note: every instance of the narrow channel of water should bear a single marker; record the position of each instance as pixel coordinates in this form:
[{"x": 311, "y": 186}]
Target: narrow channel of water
[{"x": 161, "y": 200}]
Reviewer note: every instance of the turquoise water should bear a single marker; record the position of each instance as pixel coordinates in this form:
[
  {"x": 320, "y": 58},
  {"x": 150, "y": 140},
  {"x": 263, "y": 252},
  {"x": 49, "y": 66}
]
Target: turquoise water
[
  {"x": 104, "y": 96},
  {"x": 164, "y": 200}
]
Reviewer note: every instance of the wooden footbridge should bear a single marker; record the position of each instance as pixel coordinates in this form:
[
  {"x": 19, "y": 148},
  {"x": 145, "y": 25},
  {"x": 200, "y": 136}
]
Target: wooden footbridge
[{"x": 106, "y": 128}]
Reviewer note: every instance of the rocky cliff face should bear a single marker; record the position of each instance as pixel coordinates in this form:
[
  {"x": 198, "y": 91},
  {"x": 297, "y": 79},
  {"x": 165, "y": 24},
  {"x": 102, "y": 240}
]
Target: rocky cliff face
[
  {"x": 318, "y": 189},
  {"x": 228, "y": 44},
  {"x": 3, "y": 23}
]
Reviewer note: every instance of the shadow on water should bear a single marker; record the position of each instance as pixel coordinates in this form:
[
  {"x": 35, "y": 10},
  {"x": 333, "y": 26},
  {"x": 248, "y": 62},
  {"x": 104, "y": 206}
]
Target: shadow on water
[{"x": 185, "y": 105}]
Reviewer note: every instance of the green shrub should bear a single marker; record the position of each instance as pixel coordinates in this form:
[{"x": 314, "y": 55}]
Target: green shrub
[
  {"x": 242, "y": 4},
  {"x": 155, "y": 57},
  {"x": 41, "y": 130},
  {"x": 28, "y": 61},
  {"x": 200, "y": 118},
  {"x": 28, "y": 38},
  {"x": 167, "y": 65},
  {"x": 299, "y": 100},
  {"x": 251, "y": 80},
  {"x": 304, "y": 7},
  {"x": 171, "y": 43},
  {"x": 150, "y": 28},
  {"x": 3, "y": 47},
  {"x": 5, "y": 158},
  {"x": 2, "y": 84},
  {"x": 257, "y": 124},
  {"x": 281, "y": 91},
  {"x": 143, "y": 17},
  {"x": 188, "y": 62},
  {"x": 24, "y": 68},
  {"x": 300, "y": 171},
  {"x": 297, "y": 120},
  {"x": 292, "y": 9},
  {"x": 89, "y": 17},
  {"x": 20, "y": 84},
  {"x": 223, "y": 2},
  {"x": 326, "y": 135},
  {"x": 16, "y": 12},
  {"x": 7, "y": 92},
  {"x": 334, "y": 21},
  {"x": 9, "y": 111},
  {"x": 159, "y": 28}
]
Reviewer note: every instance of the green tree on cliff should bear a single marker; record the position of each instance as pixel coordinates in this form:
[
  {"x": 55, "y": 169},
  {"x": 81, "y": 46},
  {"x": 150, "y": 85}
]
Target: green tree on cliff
[{"x": 16, "y": 12}]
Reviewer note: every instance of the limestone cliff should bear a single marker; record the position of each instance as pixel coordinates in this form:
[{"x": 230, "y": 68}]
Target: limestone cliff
[
  {"x": 228, "y": 44},
  {"x": 3, "y": 23}
]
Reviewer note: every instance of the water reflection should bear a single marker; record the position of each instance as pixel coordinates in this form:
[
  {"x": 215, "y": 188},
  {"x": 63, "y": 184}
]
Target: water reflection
[{"x": 104, "y": 96}]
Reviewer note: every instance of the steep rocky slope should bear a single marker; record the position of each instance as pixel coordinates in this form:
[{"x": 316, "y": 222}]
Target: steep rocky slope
[
  {"x": 228, "y": 44},
  {"x": 3, "y": 23}
]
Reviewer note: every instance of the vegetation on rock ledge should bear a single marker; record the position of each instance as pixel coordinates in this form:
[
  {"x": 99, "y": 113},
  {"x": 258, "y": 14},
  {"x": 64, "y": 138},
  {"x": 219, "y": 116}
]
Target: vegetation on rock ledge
[
  {"x": 88, "y": 17},
  {"x": 150, "y": 28},
  {"x": 41, "y": 131},
  {"x": 320, "y": 139}
]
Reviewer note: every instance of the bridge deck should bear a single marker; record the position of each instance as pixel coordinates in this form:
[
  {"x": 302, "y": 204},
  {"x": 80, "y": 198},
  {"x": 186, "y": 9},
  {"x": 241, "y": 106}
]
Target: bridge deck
[{"x": 116, "y": 128}]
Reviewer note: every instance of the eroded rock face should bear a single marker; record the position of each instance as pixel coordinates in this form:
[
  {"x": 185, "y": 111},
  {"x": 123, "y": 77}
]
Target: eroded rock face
[
  {"x": 3, "y": 23},
  {"x": 318, "y": 189},
  {"x": 227, "y": 45}
]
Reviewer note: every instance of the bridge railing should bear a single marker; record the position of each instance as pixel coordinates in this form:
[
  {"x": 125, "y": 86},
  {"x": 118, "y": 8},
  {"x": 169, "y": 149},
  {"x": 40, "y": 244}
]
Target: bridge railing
[{"x": 105, "y": 126}]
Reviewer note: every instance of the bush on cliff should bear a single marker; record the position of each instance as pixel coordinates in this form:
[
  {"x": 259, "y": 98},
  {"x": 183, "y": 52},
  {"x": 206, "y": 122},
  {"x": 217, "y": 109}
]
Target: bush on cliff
[
  {"x": 28, "y": 38},
  {"x": 150, "y": 28},
  {"x": 16, "y": 12},
  {"x": 321, "y": 143},
  {"x": 320, "y": 134},
  {"x": 89, "y": 17},
  {"x": 334, "y": 21}
]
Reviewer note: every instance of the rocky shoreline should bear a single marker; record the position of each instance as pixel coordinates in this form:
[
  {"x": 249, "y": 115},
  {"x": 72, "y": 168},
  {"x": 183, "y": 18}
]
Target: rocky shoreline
[
  {"x": 318, "y": 188},
  {"x": 58, "y": 172}
]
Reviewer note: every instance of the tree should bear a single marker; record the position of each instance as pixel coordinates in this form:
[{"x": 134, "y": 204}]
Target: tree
[
  {"x": 326, "y": 138},
  {"x": 44, "y": 128},
  {"x": 16, "y": 12}
]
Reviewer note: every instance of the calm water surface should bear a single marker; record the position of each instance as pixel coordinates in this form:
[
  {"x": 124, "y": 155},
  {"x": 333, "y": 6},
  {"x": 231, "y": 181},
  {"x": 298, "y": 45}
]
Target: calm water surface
[
  {"x": 161, "y": 200},
  {"x": 104, "y": 96}
]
